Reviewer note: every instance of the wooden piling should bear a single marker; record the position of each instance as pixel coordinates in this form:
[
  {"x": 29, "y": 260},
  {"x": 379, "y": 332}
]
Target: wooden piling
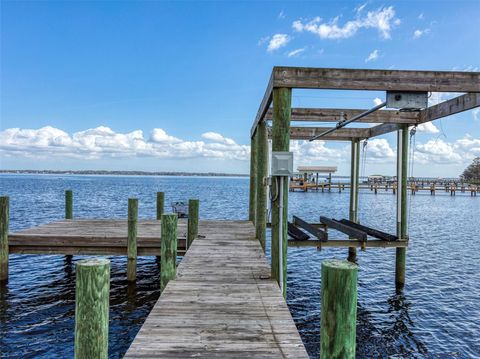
[
  {"x": 253, "y": 178},
  {"x": 91, "y": 308},
  {"x": 168, "y": 265},
  {"x": 354, "y": 184},
  {"x": 192, "y": 230},
  {"x": 282, "y": 98},
  {"x": 160, "y": 204},
  {"x": 68, "y": 204},
  {"x": 339, "y": 309},
  {"x": 4, "y": 222},
  {"x": 261, "y": 190},
  {"x": 402, "y": 230},
  {"x": 132, "y": 239},
  {"x": 69, "y": 215}
]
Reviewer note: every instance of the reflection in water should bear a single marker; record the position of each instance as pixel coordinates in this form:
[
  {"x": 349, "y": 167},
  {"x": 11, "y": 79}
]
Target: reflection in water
[{"x": 38, "y": 304}]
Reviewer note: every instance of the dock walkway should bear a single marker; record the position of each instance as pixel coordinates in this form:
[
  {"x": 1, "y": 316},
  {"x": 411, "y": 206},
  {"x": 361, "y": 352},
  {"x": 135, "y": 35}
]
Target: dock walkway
[{"x": 222, "y": 304}]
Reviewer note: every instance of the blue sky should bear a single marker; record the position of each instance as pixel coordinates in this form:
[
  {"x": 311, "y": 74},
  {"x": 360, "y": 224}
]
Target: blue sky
[{"x": 80, "y": 80}]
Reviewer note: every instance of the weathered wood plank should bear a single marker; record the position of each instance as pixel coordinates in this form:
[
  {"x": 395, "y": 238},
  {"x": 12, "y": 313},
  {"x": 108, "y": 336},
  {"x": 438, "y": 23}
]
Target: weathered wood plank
[
  {"x": 264, "y": 105},
  {"x": 377, "y": 80},
  {"x": 450, "y": 107},
  {"x": 336, "y": 115},
  {"x": 343, "y": 134},
  {"x": 222, "y": 304}
]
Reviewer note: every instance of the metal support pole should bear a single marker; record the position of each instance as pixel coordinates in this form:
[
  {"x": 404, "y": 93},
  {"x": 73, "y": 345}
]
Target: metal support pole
[
  {"x": 354, "y": 178},
  {"x": 402, "y": 230}
]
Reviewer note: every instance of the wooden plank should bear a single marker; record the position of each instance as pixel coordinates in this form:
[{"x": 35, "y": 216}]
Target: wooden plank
[
  {"x": 455, "y": 105},
  {"x": 264, "y": 105},
  {"x": 371, "y": 231},
  {"x": 317, "y": 232},
  {"x": 336, "y": 115},
  {"x": 341, "y": 243},
  {"x": 382, "y": 129},
  {"x": 222, "y": 304},
  {"x": 296, "y": 233},
  {"x": 343, "y": 134},
  {"x": 352, "y": 232},
  {"x": 377, "y": 80}
]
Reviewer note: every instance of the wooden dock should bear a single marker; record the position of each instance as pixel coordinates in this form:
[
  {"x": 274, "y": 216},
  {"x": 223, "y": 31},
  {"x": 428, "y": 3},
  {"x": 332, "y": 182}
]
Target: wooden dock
[
  {"x": 95, "y": 237},
  {"x": 223, "y": 304}
]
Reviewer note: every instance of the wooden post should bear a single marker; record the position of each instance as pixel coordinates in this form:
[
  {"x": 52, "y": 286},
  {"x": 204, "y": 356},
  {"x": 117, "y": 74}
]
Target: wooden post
[
  {"x": 339, "y": 309},
  {"x": 132, "y": 239},
  {"x": 354, "y": 178},
  {"x": 253, "y": 178},
  {"x": 168, "y": 266},
  {"x": 4, "y": 221},
  {"x": 402, "y": 230},
  {"x": 160, "y": 204},
  {"x": 68, "y": 204},
  {"x": 282, "y": 98},
  {"x": 192, "y": 230},
  {"x": 91, "y": 308},
  {"x": 262, "y": 173}
]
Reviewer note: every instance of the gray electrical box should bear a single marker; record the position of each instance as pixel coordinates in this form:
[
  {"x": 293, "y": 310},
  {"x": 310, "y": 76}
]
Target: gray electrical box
[
  {"x": 407, "y": 100},
  {"x": 282, "y": 163}
]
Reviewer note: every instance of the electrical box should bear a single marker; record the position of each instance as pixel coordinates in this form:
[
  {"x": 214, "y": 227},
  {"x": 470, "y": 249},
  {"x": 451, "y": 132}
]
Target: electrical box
[
  {"x": 407, "y": 101},
  {"x": 282, "y": 163}
]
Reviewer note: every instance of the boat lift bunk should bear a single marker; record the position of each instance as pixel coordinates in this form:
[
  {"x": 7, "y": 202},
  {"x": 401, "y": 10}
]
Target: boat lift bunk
[{"x": 301, "y": 233}]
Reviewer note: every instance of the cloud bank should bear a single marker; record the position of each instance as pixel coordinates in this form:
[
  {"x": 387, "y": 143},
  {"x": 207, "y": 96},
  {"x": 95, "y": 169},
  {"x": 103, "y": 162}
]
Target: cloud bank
[{"x": 103, "y": 142}]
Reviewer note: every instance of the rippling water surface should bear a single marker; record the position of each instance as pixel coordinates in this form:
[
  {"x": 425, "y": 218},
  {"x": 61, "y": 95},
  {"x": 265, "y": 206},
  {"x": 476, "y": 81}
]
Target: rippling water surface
[{"x": 436, "y": 316}]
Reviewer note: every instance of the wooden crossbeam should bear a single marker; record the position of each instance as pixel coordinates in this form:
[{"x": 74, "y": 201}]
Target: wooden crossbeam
[
  {"x": 352, "y": 232},
  {"x": 377, "y": 243},
  {"x": 335, "y": 115},
  {"x": 377, "y": 80},
  {"x": 343, "y": 134},
  {"x": 264, "y": 105},
  {"x": 317, "y": 232},
  {"x": 455, "y": 105},
  {"x": 383, "y": 129}
]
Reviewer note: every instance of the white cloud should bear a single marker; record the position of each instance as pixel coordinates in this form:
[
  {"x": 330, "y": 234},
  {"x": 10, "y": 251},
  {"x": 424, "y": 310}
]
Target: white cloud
[
  {"x": 281, "y": 15},
  {"x": 372, "y": 56},
  {"x": 360, "y": 8},
  {"x": 277, "y": 41},
  {"x": 438, "y": 151},
  {"x": 476, "y": 114},
  {"x": 421, "y": 16},
  {"x": 102, "y": 142},
  {"x": 428, "y": 127},
  {"x": 382, "y": 20},
  {"x": 296, "y": 52},
  {"x": 419, "y": 33},
  {"x": 379, "y": 149},
  {"x": 377, "y": 101},
  {"x": 306, "y": 152}
]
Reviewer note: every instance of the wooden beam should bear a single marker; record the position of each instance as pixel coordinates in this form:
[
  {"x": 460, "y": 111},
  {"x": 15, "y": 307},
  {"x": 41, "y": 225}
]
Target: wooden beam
[
  {"x": 264, "y": 105},
  {"x": 343, "y": 134},
  {"x": 376, "y": 80},
  {"x": 383, "y": 129},
  {"x": 349, "y": 243},
  {"x": 455, "y": 105},
  {"x": 335, "y": 115}
]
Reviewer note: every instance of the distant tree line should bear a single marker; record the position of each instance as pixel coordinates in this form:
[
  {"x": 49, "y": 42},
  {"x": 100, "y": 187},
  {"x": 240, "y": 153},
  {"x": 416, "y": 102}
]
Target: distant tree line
[{"x": 472, "y": 172}]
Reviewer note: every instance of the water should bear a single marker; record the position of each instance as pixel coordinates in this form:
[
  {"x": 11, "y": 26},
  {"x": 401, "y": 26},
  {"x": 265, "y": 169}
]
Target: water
[{"x": 436, "y": 316}]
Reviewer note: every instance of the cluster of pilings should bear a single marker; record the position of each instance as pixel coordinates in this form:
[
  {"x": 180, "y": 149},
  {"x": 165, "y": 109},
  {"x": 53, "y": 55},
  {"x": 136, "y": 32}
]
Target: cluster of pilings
[
  {"x": 280, "y": 135},
  {"x": 132, "y": 220},
  {"x": 93, "y": 274}
]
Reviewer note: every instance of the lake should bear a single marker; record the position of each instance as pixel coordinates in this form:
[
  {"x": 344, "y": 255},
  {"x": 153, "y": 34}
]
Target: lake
[{"x": 436, "y": 316}]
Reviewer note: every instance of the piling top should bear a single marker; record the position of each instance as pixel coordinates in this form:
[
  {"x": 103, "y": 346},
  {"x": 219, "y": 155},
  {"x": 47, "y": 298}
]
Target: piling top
[
  {"x": 93, "y": 262},
  {"x": 339, "y": 264}
]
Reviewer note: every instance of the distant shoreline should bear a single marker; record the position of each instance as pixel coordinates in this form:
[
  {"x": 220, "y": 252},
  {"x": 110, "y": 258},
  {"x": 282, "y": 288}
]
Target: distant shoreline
[{"x": 123, "y": 173}]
